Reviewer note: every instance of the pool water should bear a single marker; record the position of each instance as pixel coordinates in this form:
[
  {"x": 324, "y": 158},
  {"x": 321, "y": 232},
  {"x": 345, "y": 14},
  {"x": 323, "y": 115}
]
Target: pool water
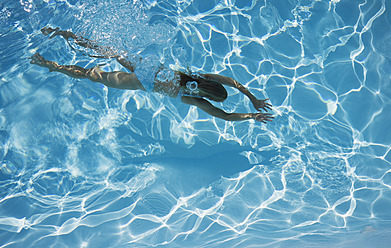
[{"x": 87, "y": 166}]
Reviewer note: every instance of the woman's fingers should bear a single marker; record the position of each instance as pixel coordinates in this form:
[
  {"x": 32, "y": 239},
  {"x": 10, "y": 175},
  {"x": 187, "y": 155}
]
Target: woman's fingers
[{"x": 263, "y": 117}]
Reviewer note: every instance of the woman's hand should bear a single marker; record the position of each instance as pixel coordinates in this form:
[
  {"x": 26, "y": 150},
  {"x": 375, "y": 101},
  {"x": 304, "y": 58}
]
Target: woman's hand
[
  {"x": 262, "y": 117},
  {"x": 261, "y": 104}
]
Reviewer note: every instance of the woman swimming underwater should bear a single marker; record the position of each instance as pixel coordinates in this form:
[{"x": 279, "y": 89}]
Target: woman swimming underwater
[{"x": 192, "y": 89}]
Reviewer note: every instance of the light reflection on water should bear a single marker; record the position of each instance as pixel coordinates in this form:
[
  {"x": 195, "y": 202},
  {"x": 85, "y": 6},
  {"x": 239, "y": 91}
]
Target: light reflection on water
[{"x": 83, "y": 165}]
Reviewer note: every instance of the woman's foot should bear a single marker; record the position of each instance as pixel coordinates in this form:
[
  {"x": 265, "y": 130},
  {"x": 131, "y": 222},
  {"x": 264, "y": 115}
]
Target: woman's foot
[
  {"x": 37, "y": 59},
  {"x": 125, "y": 63},
  {"x": 48, "y": 30}
]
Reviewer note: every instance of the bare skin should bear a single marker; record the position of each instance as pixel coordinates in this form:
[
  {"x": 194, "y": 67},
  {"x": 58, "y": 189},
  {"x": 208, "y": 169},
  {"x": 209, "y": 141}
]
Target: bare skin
[
  {"x": 129, "y": 81},
  {"x": 258, "y": 104},
  {"x": 105, "y": 52},
  {"x": 115, "y": 79}
]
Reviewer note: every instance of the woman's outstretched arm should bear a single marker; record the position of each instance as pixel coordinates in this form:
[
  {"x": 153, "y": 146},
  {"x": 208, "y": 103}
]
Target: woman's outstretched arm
[
  {"x": 219, "y": 113},
  {"x": 258, "y": 104}
]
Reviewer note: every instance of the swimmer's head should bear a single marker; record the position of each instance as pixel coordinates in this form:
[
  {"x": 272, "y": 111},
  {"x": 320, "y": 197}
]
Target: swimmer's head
[{"x": 198, "y": 85}]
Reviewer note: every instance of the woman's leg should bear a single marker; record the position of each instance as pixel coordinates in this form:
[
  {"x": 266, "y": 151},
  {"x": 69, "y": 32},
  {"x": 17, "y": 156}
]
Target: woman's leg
[
  {"x": 70, "y": 70},
  {"x": 105, "y": 51},
  {"x": 116, "y": 79}
]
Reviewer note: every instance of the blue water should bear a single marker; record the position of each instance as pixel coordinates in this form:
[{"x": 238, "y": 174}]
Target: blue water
[{"x": 87, "y": 166}]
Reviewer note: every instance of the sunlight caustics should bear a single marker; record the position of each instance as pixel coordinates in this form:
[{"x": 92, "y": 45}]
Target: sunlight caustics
[{"x": 87, "y": 166}]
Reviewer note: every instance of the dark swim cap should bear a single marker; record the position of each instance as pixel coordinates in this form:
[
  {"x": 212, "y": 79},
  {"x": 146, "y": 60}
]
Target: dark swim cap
[{"x": 206, "y": 88}]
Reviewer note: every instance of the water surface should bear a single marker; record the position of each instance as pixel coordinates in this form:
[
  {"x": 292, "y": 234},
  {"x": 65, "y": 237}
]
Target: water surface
[{"x": 87, "y": 166}]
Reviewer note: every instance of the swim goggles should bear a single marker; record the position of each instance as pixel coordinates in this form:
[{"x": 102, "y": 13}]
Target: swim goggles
[{"x": 192, "y": 87}]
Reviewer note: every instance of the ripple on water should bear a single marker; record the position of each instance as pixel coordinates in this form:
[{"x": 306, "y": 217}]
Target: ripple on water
[
  {"x": 341, "y": 78},
  {"x": 378, "y": 131},
  {"x": 307, "y": 102}
]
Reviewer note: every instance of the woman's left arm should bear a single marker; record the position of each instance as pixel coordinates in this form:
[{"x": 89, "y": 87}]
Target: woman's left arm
[{"x": 219, "y": 113}]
